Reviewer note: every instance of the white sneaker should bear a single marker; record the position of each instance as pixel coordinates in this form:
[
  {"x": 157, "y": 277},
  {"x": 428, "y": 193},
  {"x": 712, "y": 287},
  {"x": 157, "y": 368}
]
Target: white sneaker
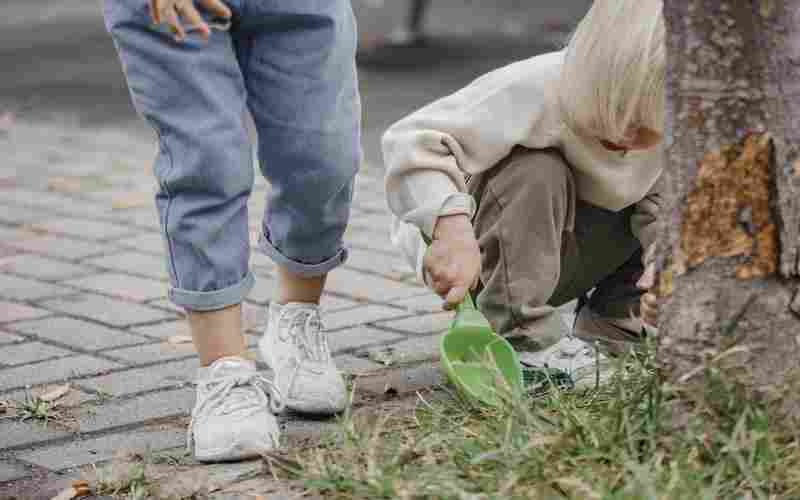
[
  {"x": 579, "y": 360},
  {"x": 295, "y": 346},
  {"x": 234, "y": 416}
]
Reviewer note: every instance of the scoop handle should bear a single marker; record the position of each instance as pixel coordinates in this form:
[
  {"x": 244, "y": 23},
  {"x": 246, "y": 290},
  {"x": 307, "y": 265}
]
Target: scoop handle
[{"x": 467, "y": 304}]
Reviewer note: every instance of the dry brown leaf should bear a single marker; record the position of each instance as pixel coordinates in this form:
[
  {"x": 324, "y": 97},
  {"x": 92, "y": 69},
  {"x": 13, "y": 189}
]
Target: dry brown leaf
[
  {"x": 180, "y": 339},
  {"x": 63, "y": 184},
  {"x": 56, "y": 393},
  {"x": 133, "y": 200},
  {"x": 72, "y": 492},
  {"x": 6, "y": 122}
]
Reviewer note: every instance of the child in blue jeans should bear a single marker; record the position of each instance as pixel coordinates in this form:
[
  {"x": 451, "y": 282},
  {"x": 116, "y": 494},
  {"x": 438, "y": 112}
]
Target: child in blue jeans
[{"x": 290, "y": 63}]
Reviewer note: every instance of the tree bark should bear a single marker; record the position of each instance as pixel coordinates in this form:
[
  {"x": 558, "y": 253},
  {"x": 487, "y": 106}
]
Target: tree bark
[{"x": 730, "y": 239}]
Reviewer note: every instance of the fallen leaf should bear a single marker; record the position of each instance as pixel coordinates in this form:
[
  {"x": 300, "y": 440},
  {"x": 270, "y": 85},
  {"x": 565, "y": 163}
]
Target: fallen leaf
[
  {"x": 180, "y": 339},
  {"x": 133, "y": 200},
  {"x": 63, "y": 184},
  {"x": 6, "y": 122},
  {"x": 67, "y": 494},
  {"x": 56, "y": 393}
]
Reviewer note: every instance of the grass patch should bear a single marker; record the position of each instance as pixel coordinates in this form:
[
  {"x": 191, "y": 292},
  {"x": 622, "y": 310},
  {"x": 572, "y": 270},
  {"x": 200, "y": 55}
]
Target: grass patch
[{"x": 632, "y": 438}]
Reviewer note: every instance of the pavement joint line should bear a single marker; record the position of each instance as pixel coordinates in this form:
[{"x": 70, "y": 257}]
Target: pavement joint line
[
  {"x": 72, "y": 215},
  {"x": 18, "y": 461},
  {"x": 59, "y": 314},
  {"x": 77, "y": 436},
  {"x": 4, "y": 366},
  {"x": 60, "y": 282},
  {"x": 86, "y": 319},
  {"x": 410, "y": 334},
  {"x": 127, "y": 366},
  {"x": 64, "y": 259}
]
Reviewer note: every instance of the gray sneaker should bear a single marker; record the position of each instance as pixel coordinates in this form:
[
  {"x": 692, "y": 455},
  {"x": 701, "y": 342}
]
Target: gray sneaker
[
  {"x": 295, "y": 346},
  {"x": 234, "y": 416}
]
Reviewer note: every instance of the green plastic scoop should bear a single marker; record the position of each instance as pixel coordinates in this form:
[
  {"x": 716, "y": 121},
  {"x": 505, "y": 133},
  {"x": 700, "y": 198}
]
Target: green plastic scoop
[{"x": 481, "y": 364}]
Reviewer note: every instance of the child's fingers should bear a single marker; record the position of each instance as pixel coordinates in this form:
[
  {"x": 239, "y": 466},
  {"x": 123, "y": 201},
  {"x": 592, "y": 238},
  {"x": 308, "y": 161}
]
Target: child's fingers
[
  {"x": 217, "y": 8},
  {"x": 194, "y": 20},
  {"x": 153, "y": 8},
  {"x": 170, "y": 16},
  {"x": 455, "y": 296}
]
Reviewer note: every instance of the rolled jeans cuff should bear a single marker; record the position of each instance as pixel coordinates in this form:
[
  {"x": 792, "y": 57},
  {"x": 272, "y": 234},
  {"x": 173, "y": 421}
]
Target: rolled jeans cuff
[
  {"x": 214, "y": 299},
  {"x": 301, "y": 269}
]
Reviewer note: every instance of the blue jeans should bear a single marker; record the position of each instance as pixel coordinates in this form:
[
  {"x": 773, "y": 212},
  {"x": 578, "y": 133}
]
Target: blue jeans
[{"x": 290, "y": 63}]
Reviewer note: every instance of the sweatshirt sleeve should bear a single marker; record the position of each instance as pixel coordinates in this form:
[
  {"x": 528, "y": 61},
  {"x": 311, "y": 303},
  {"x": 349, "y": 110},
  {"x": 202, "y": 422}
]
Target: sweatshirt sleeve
[{"x": 428, "y": 152}]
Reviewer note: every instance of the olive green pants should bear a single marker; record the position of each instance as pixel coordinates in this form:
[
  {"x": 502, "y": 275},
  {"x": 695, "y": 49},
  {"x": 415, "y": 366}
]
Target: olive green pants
[{"x": 541, "y": 247}]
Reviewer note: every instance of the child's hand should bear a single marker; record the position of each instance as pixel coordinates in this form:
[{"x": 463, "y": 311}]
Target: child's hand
[
  {"x": 453, "y": 260},
  {"x": 176, "y": 12}
]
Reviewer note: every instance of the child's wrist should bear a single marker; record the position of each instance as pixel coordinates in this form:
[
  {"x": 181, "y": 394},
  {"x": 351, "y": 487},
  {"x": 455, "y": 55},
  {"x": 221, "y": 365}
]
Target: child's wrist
[{"x": 450, "y": 225}]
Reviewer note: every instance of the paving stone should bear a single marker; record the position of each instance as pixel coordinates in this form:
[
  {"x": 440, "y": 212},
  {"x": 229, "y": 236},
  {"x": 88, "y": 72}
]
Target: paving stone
[
  {"x": 411, "y": 350},
  {"x": 59, "y": 246},
  {"x": 363, "y": 286},
  {"x": 43, "y": 268},
  {"x": 360, "y": 238},
  {"x": 78, "y": 453},
  {"x": 426, "y": 303},
  {"x": 375, "y": 222},
  {"x": 145, "y": 217},
  {"x": 15, "y": 214},
  {"x": 390, "y": 266},
  {"x": 263, "y": 291},
  {"x": 144, "y": 379},
  {"x": 53, "y": 371},
  {"x": 330, "y": 303},
  {"x": 84, "y": 228},
  {"x": 10, "y": 338},
  {"x": 164, "y": 330},
  {"x": 20, "y": 354},
  {"x": 54, "y": 201},
  {"x": 150, "y": 353},
  {"x": 17, "y": 312},
  {"x": 138, "y": 409},
  {"x": 122, "y": 285},
  {"x": 12, "y": 287},
  {"x": 10, "y": 471},
  {"x": 134, "y": 263},
  {"x": 421, "y": 323},
  {"x": 351, "y": 338},
  {"x": 348, "y": 363},
  {"x": 15, "y": 433},
  {"x": 150, "y": 242},
  {"x": 261, "y": 264},
  {"x": 168, "y": 305},
  {"x": 74, "y": 332},
  {"x": 106, "y": 310},
  {"x": 361, "y": 315},
  {"x": 254, "y": 317}
]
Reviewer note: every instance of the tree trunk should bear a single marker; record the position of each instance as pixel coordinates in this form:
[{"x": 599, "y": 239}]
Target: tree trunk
[{"x": 730, "y": 239}]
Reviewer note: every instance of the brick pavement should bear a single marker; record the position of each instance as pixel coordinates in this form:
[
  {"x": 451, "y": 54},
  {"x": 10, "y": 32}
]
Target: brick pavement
[{"x": 83, "y": 301}]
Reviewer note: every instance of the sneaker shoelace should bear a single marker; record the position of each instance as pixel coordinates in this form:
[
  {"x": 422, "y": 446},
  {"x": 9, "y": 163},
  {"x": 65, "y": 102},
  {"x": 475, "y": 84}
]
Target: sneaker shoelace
[
  {"x": 306, "y": 332},
  {"x": 217, "y": 399}
]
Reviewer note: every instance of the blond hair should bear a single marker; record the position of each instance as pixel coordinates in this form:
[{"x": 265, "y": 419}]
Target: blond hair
[{"x": 613, "y": 73}]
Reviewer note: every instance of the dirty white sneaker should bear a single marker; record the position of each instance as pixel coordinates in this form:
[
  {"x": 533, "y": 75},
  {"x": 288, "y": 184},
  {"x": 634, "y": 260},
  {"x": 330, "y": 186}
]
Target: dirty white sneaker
[
  {"x": 580, "y": 360},
  {"x": 234, "y": 416},
  {"x": 295, "y": 346}
]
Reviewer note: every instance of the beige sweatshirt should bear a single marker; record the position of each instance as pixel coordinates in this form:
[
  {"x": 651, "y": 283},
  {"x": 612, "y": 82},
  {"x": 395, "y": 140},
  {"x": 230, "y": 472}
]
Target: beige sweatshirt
[{"x": 428, "y": 152}]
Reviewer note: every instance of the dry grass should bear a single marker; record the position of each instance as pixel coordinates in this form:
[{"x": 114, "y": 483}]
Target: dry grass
[{"x": 632, "y": 438}]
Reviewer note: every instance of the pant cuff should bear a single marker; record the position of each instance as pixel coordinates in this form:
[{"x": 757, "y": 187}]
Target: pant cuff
[
  {"x": 215, "y": 299},
  {"x": 301, "y": 268}
]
